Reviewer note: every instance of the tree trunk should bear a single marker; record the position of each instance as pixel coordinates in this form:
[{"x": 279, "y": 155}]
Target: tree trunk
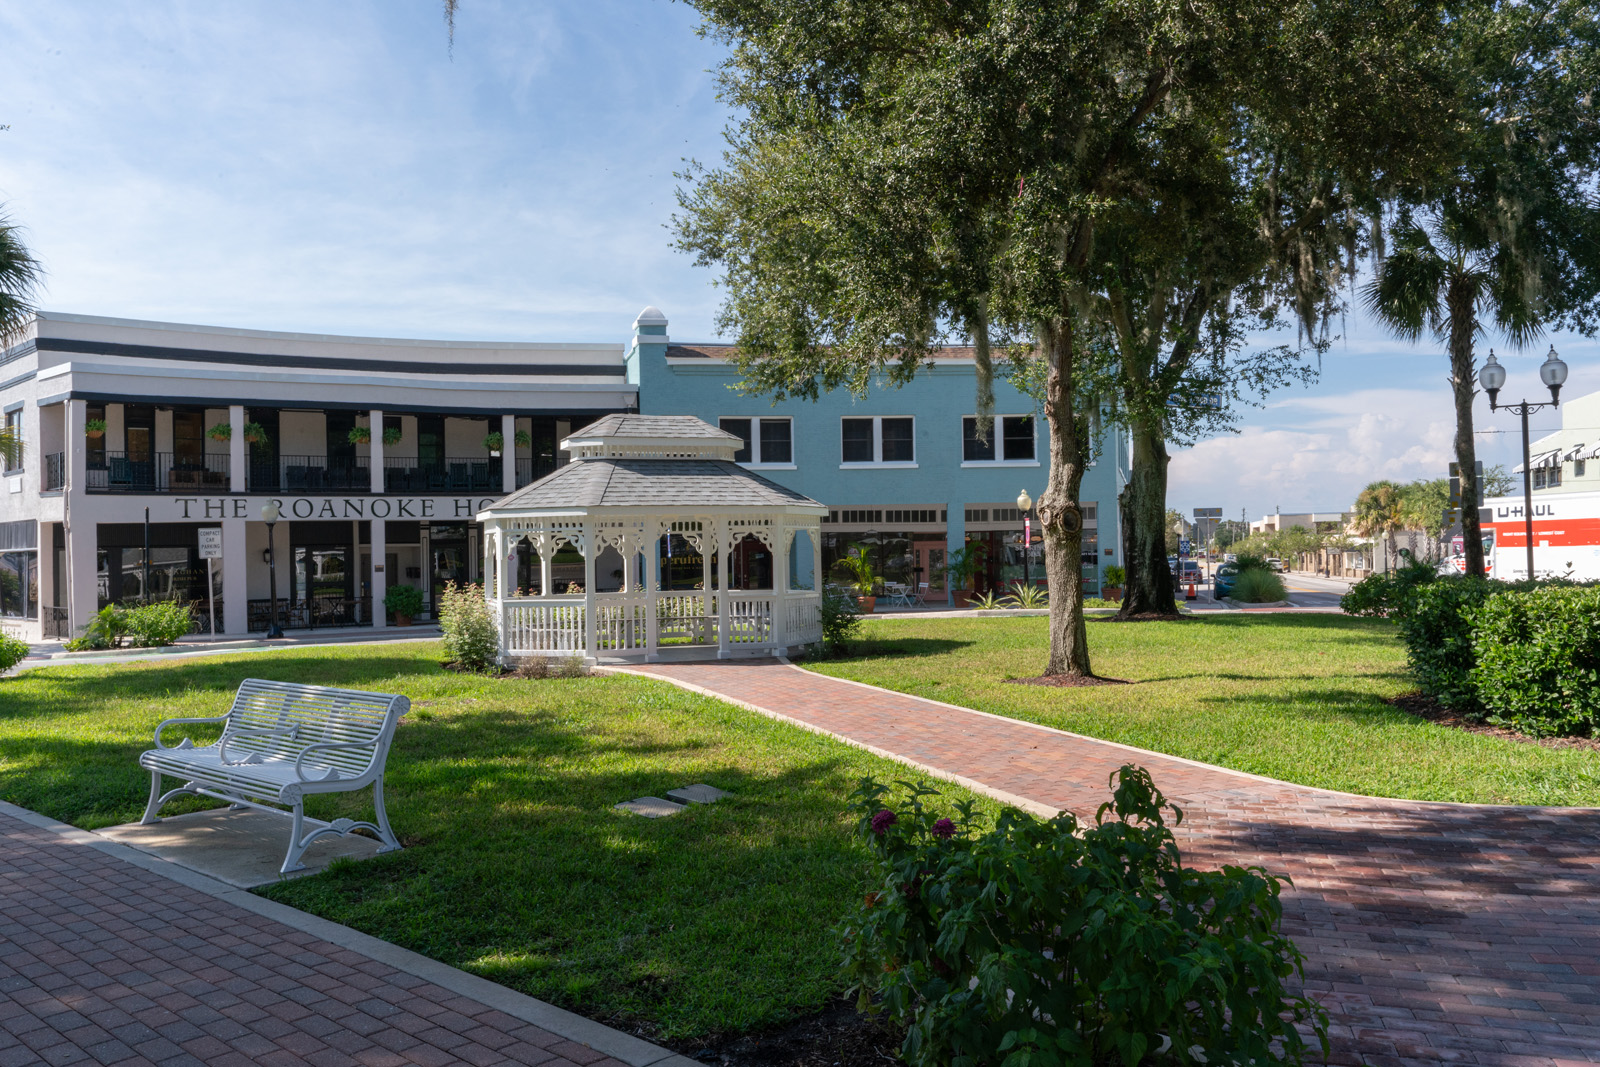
[
  {"x": 1060, "y": 519},
  {"x": 1463, "y": 323},
  {"x": 1144, "y": 516}
]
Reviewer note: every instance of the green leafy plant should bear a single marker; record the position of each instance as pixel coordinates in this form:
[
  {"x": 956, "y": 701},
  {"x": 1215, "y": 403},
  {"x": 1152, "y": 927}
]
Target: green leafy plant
[
  {"x": 1536, "y": 660},
  {"x": 12, "y": 651},
  {"x": 471, "y": 634},
  {"x": 391, "y": 436},
  {"x": 522, "y": 439},
  {"x": 158, "y": 624},
  {"x": 1435, "y": 622},
  {"x": 989, "y": 601},
  {"x": 495, "y": 441},
  {"x": 1114, "y": 574},
  {"x": 1381, "y": 595},
  {"x": 1054, "y": 942},
  {"x": 222, "y": 431},
  {"x": 857, "y": 568},
  {"x": 1027, "y": 596},
  {"x": 105, "y": 629},
  {"x": 94, "y": 427},
  {"x": 1258, "y": 586},
  {"x": 255, "y": 433},
  {"x": 964, "y": 563},
  {"x": 841, "y": 624},
  {"x": 403, "y": 600},
  {"x": 359, "y": 435}
]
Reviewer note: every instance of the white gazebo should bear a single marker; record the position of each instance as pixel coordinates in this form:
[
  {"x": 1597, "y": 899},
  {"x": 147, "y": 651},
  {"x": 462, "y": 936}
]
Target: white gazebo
[{"x": 642, "y": 491}]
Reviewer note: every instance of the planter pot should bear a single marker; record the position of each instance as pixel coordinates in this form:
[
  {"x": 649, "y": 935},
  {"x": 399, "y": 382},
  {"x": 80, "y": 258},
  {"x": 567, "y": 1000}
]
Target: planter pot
[
  {"x": 493, "y": 454},
  {"x": 402, "y": 620},
  {"x": 94, "y": 435},
  {"x": 1111, "y": 592},
  {"x": 866, "y": 604}
]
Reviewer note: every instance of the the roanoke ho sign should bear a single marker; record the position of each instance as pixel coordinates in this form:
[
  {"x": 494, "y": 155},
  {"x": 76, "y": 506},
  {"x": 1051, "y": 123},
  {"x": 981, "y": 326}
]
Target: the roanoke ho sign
[{"x": 203, "y": 508}]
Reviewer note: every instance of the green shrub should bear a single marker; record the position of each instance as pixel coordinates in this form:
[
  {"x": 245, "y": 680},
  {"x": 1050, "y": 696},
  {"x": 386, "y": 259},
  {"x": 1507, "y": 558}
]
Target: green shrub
[
  {"x": 1056, "y": 943},
  {"x": 1382, "y": 595},
  {"x": 1026, "y": 596},
  {"x": 105, "y": 629},
  {"x": 1435, "y": 623},
  {"x": 471, "y": 635},
  {"x": 12, "y": 651},
  {"x": 1114, "y": 574},
  {"x": 403, "y": 600},
  {"x": 158, "y": 624},
  {"x": 1536, "y": 664},
  {"x": 1256, "y": 585},
  {"x": 841, "y": 624}
]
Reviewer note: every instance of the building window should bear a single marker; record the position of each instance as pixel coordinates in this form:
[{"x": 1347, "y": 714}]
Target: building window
[
  {"x": 1010, "y": 440},
  {"x": 1577, "y": 467},
  {"x": 878, "y": 440},
  {"x": 1547, "y": 478},
  {"x": 14, "y": 429},
  {"x": 767, "y": 441}
]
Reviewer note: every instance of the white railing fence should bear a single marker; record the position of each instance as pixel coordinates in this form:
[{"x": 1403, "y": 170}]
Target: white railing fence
[
  {"x": 556, "y": 625},
  {"x": 543, "y": 624}
]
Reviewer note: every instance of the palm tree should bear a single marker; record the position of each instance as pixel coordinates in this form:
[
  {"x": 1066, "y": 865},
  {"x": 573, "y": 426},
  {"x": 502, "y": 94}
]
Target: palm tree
[
  {"x": 20, "y": 274},
  {"x": 1380, "y": 512},
  {"x": 1445, "y": 278}
]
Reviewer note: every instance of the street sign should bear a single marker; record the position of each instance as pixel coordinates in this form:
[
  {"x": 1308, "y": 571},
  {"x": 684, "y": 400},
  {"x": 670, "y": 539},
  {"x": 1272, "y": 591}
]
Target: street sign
[
  {"x": 210, "y": 542},
  {"x": 1208, "y": 513},
  {"x": 1184, "y": 547}
]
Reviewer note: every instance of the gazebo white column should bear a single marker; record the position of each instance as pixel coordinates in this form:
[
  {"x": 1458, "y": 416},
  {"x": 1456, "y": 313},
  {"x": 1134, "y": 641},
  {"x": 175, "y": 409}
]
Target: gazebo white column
[
  {"x": 707, "y": 548},
  {"x": 591, "y": 631},
  {"x": 780, "y": 583},
  {"x": 724, "y": 580},
  {"x": 652, "y": 591}
]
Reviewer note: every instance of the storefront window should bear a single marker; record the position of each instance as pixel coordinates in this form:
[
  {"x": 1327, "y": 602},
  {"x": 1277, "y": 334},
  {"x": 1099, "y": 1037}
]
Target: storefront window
[
  {"x": 891, "y": 554},
  {"x": 19, "y": 585}
]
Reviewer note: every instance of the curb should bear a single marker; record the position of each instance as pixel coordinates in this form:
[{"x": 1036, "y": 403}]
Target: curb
[{"x": 634, "y": 1051}]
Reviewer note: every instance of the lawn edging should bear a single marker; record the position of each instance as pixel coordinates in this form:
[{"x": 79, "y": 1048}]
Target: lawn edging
[{"x": 634, "y": 1051}]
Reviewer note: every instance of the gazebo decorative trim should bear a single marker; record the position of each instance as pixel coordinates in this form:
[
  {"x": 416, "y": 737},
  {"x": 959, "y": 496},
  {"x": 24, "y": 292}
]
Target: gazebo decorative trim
[{"x": 633, "y": 480}]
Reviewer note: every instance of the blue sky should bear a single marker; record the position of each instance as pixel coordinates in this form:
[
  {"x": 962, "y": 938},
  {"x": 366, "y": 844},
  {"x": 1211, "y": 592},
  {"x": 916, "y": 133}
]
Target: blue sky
[{"x": 333, "y": 168}]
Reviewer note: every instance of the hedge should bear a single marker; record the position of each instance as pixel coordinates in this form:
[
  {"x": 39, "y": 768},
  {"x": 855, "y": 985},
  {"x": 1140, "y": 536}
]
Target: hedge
[{"x": 1537, "y": 660}]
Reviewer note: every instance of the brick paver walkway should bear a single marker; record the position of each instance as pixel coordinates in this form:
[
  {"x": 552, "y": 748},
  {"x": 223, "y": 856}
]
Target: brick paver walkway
[
  {"x": 102, "y": 961},
  {"x": 1434, "y": 932}
]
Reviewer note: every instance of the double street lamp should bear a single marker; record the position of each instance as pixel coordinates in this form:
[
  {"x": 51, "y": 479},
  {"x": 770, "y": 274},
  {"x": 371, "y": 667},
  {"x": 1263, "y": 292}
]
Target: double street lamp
[{"x": 1492, "y": 377}]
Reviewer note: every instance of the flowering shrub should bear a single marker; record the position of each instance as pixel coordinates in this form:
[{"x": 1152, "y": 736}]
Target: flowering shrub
[
  {"x": 1038, "y": 942},
  {"x": 12, "y": 651},
  {"x": 471, "y": 634}
]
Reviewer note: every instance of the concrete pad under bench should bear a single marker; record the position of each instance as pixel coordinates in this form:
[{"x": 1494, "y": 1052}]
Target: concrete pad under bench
[{"x": 241, "y": 848}]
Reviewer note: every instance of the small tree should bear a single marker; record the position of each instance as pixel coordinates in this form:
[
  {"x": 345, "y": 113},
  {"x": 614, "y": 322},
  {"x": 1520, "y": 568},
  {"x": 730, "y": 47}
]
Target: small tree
[{"x": 471, "y": 634}]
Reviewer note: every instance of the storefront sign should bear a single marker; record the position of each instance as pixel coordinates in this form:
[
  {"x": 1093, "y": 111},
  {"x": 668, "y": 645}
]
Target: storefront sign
[{"x": 461, "y": 508}]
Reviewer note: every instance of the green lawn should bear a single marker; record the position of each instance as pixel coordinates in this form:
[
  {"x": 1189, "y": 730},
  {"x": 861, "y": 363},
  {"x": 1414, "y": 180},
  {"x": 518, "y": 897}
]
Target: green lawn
[
  {"x": 517, "y": 867},
  {"x": 1295, "y": 697}
]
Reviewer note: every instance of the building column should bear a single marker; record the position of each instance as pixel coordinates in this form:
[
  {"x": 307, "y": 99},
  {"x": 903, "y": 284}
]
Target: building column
[
  {"x": 77, "y": 448},
  {"x": 83, "y": 542},
  {"x": 955, "y": 540},
  {"x": 375, "y": 458},
  {"x": 235, "y": 577},
  {"x": 508, "y": 453},
  {"x": 724, "y": 577},
  {"x": 378, "y": 545},
  {"x": 591, "y": 629},
  {"x": 238, "y": 471}
]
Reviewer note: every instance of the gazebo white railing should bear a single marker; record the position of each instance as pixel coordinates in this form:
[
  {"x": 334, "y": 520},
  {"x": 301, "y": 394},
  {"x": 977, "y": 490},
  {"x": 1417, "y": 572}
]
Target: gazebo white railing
[{"x": 605, "y": 502}]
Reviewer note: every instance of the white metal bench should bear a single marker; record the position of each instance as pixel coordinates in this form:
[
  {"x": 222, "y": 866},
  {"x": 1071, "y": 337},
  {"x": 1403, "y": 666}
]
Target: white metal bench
[{"x": 280, "y": 743}]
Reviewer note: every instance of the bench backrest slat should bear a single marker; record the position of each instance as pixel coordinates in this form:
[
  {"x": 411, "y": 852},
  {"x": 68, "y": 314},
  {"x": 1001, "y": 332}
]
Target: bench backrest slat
[{"x": 322, "y": 714}]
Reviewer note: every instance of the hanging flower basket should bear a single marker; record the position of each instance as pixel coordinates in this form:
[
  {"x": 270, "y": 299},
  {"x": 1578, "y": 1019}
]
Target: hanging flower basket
[
  {"x": 94, "y": 429},
  {"x": 494, "y": 442},
  {"x": 222, "y": 431},
  {"x": 523, "y": 439},
  {"x": 359, "y": 435},
  {"x": 255, "y": 433},
  {"x": 391, "y": 436}
]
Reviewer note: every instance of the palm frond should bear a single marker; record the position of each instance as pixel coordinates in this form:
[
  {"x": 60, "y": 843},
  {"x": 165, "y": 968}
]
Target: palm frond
[
  {"x": 20, "y": 277},
  {"x": 1405, "y": 291}
]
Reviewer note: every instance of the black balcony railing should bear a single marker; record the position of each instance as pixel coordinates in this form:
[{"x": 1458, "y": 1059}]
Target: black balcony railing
[
  {"x": 310, "y": 474},
  {"x": 403, "y": 474},
  {"x": 317, "y": 613},
  {"x": 158, "y": 472},
  {"x": 55, "y": 472},
  {"x": 531, "y": 468}
]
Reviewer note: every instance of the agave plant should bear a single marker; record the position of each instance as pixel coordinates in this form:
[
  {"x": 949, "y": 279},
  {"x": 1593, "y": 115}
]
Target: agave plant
[
  {"x": 1027, "y": 596},
  {"x": 988, "y": 602}
]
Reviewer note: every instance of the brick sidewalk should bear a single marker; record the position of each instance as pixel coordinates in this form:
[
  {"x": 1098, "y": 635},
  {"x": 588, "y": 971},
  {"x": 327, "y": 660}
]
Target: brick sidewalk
[
  {"x": 104, "y": 961},
  {"x": 1433, "y": 932}
]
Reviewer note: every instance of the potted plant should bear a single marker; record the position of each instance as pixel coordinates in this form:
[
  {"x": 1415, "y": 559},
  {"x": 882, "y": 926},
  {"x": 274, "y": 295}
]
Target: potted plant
[
  {"x": 359, "y": 435},
  {"x": 405, "y": 601},
  {"x": 391, "y": 436},
  {"x": 494, "y": 442},
  {"x": 963, "y": 566},
  {"x": 1111, "y": 580},
  {"x": 94, "y": 429},
  {"x": 523, "y": 439},
  {"x": 255, "y": 433},
  {"x": 859, "y": 575}
]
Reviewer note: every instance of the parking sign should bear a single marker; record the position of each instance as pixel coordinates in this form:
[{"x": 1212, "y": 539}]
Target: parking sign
[{"x": 210, "y": 542}]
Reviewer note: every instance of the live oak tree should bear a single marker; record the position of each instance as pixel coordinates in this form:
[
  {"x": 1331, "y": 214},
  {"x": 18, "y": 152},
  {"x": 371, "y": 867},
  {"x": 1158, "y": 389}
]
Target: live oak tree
[
  {"x": 908, "y": 173},
  {"x": 1509, "y": 232}
]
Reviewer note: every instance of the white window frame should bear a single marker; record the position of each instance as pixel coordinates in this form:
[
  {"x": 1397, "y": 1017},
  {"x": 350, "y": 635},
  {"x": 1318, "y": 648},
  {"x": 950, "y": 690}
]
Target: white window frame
[
  {"x": 1000, "y": 440},
  {"x": 6, "y": 419},
  {"x": 878, "y": 462},
  {"x": 755, "y": 461}
]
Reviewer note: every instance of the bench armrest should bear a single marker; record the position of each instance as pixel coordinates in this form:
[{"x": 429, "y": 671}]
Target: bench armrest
[
  {"x": 299, "y": 768},
  {"x": 181, "y": 722}
]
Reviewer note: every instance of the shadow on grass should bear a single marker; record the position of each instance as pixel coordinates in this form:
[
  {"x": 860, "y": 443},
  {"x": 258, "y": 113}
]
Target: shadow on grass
[{"x": 919, "y": 647}]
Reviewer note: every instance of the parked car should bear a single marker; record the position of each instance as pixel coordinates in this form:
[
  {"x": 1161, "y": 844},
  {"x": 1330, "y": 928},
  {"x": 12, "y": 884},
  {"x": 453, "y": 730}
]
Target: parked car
[
  {"x": 1230, "y": 557},
  {"x": 1222, "y": 583},
  {"x": 1275, "y": 565}
]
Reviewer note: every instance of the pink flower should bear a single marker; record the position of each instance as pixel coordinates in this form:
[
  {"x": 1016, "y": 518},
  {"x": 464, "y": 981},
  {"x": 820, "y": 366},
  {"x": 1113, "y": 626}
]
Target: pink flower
[
  {"x": 882, "y": 821},
  {"x": 944, "y": 829}
]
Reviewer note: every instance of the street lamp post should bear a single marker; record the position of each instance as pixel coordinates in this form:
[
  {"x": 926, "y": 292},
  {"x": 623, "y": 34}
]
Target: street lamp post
[
  {"x": 1025, "y": 505},
  {"x": 269, "y": 515},
  {"x": 1553, "y": 373}
]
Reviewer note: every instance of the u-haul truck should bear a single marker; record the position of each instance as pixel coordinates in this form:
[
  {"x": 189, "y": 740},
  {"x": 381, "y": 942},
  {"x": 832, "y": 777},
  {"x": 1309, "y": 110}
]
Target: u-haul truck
[{"x": 1566, "y": 536}]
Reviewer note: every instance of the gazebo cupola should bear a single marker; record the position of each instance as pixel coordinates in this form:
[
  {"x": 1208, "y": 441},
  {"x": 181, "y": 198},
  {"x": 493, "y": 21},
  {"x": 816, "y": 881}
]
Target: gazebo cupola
[{"x": 684, "y": 553}]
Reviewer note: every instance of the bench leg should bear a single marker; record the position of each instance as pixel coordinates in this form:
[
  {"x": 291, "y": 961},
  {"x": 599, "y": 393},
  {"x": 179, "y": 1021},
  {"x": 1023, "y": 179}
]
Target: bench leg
[
  {"x": 391, "y": 843},
  {"x": 154, "y": 805},
  {"x": 297, "y": 842}
]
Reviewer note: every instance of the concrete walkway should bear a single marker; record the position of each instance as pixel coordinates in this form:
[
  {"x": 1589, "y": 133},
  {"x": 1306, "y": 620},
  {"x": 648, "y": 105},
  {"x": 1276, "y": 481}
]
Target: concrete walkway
[
  {"x": 111, "y": 956},
  {"x": 1434, "y": 932}
]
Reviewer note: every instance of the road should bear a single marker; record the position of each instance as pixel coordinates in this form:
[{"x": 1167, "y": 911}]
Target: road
[{"x": 1305, "y": 591}]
